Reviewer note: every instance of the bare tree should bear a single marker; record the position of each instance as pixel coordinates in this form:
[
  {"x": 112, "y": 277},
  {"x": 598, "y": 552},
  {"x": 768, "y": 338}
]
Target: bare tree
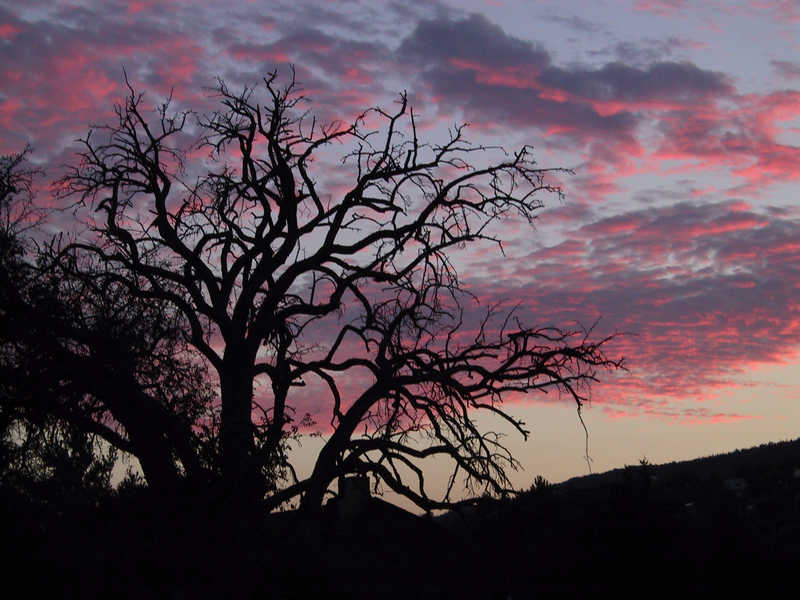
[{"x": 277, "y": 279}]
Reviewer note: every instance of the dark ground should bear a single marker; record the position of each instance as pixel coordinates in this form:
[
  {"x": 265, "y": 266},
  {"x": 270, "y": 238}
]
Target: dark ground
[{"x": 639, "y": 530}]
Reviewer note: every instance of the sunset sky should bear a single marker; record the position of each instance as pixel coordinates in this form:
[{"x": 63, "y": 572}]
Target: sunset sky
[{"x": 680, "y": 119}]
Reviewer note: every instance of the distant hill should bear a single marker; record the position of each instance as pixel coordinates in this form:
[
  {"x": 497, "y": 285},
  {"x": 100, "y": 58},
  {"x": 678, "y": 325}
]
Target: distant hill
[
  {"x": 764, "y": 462},
  {"x": 729, "y": 521}
]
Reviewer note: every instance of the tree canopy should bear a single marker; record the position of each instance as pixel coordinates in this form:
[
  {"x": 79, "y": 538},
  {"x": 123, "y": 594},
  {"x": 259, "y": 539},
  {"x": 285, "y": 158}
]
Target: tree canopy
[{"x": 227, "y": 282}]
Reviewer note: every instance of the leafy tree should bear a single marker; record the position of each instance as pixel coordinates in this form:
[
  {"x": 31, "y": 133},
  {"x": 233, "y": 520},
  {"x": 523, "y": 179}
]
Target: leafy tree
[
  {"x": 86, "y": 370},
  {"x": 345, "y": 297},
  {"x": 40, "y": 456}
]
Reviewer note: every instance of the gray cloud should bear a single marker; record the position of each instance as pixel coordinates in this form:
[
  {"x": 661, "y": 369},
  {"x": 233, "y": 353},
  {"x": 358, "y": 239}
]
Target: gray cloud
[
  {"x": 661, "y": 81},
  {"x": 574, "y": 22},
  {"x": 474, "y": 38},
  {"x": 494, "y": 77},
  {"x": 786, "y": 69}
]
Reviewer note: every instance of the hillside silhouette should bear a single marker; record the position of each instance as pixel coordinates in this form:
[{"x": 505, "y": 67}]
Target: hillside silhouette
[{"x": 726, "y": 521}]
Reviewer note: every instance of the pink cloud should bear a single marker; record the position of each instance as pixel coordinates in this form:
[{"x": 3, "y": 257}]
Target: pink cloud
[
  {"x": 783, "y": 11},
  {"x": 266, "y": 53},
  {"x": 661, "y": 7},
  {"x": 509, "y": 76},
  {"x": 699, "y": 325},
  {"x": 742, "y": 139},
  {"x": 137, "y": 6},
  {"x": 710, "y": 288},
  {"x": 8, "y": 31}
]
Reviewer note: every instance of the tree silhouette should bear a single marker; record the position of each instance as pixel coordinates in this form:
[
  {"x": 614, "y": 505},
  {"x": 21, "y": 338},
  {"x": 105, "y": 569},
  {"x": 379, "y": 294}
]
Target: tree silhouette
[
  {"x": 41, "y": 456},
  {"x": 342, "y": 298},
  {"x": 81, "y": 362}
]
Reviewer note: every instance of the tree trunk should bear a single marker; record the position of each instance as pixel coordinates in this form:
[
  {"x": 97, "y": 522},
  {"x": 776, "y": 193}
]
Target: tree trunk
[
  {"x": 325, "y": 469},
  {"x": 324, "y": 472},
  {"x": 138, "y": 413},
  {"x": 240, "y": 475},
  {"x": 160, "y": 472}
]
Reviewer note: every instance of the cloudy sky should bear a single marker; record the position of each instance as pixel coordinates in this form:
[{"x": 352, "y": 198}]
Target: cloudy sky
[{"x": 680, "y": 119}]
